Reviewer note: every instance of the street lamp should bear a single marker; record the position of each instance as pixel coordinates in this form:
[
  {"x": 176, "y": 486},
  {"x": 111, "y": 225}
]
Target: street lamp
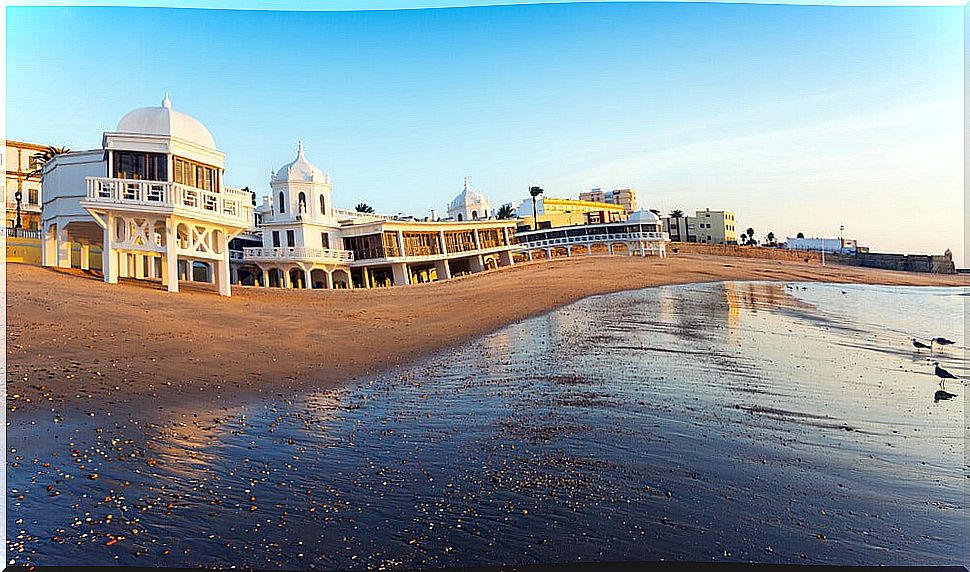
[
  {"x": 18, "y": 196},
  {"x": 535, "y": 192},
  {"x": 841, "y": 240}
]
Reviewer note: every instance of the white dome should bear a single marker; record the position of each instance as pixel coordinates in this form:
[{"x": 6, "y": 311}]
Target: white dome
[
  {"x": 166, "y": 121},
  {"x": 300, "y": 170},
  {"x": 644, "y": 217},
  {"x": 467, "y": 198}
]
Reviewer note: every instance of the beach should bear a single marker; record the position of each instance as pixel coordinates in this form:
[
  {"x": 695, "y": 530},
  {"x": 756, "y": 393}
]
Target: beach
[
  {"x": 726, "y": 421},
  {"x": 80, "y": 342}
]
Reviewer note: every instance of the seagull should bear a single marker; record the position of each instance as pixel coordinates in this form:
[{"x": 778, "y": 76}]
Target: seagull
[
  {"x": 943, "y": 374},
  {"x": 920, "y": 345},
  {"x": 942, "y": 342}
]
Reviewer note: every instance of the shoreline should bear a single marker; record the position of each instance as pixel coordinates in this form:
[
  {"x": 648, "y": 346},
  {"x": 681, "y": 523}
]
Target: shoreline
[{"x": 70, "y": 337}]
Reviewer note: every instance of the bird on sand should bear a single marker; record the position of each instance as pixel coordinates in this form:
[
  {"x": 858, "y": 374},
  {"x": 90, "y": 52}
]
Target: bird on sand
[
  {"x": 943, "y": 374},
  {"x": 920, "y": 345},
  {"x": 941, "y": 395},
  {"x": 942, "y": 342}
]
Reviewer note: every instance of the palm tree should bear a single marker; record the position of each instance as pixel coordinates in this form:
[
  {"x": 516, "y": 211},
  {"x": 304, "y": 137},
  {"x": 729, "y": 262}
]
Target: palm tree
[
  {"x": 771, "y": 238},
  {"x": 655, "y": 211},
  {"x": 535, "y": 192},
  {"x": 42, "y": 157},
  {"x": 743, "y": 239},
  {"x": 505, "y": 212},
  {"x": 676, "y": 213},
  {"x": 364, "y": 208}
]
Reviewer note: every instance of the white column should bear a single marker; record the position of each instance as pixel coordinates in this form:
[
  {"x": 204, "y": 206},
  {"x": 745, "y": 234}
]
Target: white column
[
  {"x": 109, "y": 258},
  {"x": 478, "y": 242},
  {"x": 329, "y": 280},
  {"x": 609, "y": 248},
  {"x": 442, "y": 269},
  {"x": 589, "y": 249},
  {"x": 48, "y": 247},
  {"x": 221, "y": 268},
  {"x": 63, "y": 248},
  {"x": 505, "y": 235},
  {"x": 85, "y": 257},
  {"x": 170, "y": 263},
  {"x": 400, "y": 271},
  {"x": 444, "y": 246},
  {"x": 139, "y": 260},
  {"x": 307, "y": 279},
  {"x": 190, "y": 271},
  {"x": 265, "y": 274},
  {"x": 286, "y": 278},
  {"x": 123, "y": 264},
  {"x": 400, "y": 243}
]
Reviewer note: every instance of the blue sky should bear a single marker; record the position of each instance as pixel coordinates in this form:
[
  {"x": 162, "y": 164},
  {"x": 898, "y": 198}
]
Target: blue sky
[{"x": 798, "y": 118}]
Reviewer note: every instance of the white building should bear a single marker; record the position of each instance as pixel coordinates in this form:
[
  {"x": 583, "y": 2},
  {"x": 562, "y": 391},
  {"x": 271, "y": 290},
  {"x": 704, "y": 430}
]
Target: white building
[
  {"x": 837, "y": 245},
  {"x": 641, "y": 234},
  {"x": 307, "y": 243},
  {"x": 469, "y": 205},
  {"x": 152, "y": 197}
]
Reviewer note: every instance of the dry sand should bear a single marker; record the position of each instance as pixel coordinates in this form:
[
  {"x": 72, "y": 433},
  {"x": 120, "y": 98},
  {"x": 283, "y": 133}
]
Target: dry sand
[{"x": 72, "y": 339}]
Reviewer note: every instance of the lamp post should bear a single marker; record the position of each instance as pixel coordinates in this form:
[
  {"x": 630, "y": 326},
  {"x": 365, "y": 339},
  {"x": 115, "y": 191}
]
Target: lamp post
[
  {"x": 841, "y": 240},
  {"x": 19, "y": 197},
  {"x": 535, "y": 192}
]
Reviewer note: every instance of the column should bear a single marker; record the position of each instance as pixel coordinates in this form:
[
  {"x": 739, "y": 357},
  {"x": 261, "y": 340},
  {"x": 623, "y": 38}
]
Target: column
[
  {"x": 85, "y": 256},
  {"x": 529, "y": 254},
  {"x": 48, "y": 247},
  {"x": 222, "y": 272},
  {"x": 63, "y": 248},
  {"x": 505, "y": 258},
  {"x": 442, "y": 269},
  {"x": 139, "y": 260},
  {"x": 476, "y": 263},
  {"x": 109, "y": 258},
  {"x": 444, "y": 245},
  {"x": 400, "y": 243},
  {"x": 589, "y": 250},
  {"x": 400, "y": 272},
  {"x": 123, "y": 264},
  {"x": 478, "y": 243},
  {"x": 170, "y": 261},
  {"x": 609, "y": 248},
  {"x": 329, "y": 280},
  {"x": 190, "y": 270},
  {"x": 265, "y": 274},
  {"x": 306, "y": 279},
  {"x": 505, "y": 235},
  {"x": 363, "y": 273}
]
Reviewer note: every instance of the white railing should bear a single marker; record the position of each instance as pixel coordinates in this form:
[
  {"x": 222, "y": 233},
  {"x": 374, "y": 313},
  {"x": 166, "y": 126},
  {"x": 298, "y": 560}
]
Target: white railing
[
  {"x": 354, "y": 214},
  {"x": 20, "y": 232},
  {"x": 297, "y": 253},
  {"x": 534, "y": 242},
  {"x": 232, "y": 204}
]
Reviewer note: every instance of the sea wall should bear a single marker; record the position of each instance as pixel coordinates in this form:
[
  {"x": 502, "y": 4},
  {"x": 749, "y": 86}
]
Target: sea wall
[
  {"x": 933, "y": 263},
  {"x": 742, "y": 251}
]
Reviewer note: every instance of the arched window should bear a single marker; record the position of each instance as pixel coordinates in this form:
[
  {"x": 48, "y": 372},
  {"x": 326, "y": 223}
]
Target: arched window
[
  {"x": 459, "y": 217},
  {"x": 301, "y": 203},
  {"x": 282, "y": 204},
  {"x": 323, "y": 205},
  {"x": 474, "y": 215}
]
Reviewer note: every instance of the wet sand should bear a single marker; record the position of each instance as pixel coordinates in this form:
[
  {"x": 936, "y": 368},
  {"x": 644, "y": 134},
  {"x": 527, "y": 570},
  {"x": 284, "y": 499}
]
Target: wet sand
[
  {"x": 77, "y": 342},
  {"x": 729, "y": 422}
]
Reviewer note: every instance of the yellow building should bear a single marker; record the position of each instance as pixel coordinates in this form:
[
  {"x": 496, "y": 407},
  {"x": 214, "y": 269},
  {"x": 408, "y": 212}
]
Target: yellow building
[
  {"x": 627, "y": 198},
  {"x": 713, "y": 227},
  {"x": 19, "y": 162},
  {"x": 555, "y": 212}
]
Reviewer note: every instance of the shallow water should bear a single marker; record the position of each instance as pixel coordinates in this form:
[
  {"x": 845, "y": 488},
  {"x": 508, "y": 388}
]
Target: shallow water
[{"x": 725, "y": 421}]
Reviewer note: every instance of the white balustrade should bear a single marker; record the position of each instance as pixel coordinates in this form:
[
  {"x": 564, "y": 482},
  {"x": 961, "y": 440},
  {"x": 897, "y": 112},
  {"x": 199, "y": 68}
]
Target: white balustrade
[
  {"x": 232, "y": 204},
  {"x": 297, "y": 253}
]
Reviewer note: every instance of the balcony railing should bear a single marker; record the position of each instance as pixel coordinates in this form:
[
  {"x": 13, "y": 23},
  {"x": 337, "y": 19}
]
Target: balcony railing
[
  {"x": 263, "y": 254},
  {"x": 231, "y": 204},
  {"x": 538, "y": 241},
  {"x": 20, "y": 232},
  {"x": 354, "y": 214}
]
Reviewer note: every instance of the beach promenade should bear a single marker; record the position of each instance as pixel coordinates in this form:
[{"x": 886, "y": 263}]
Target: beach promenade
[{"x": 77, "y": 340}]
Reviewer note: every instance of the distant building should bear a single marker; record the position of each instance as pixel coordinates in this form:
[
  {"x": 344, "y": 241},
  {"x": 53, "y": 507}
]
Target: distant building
[
  {"x": 556, "y": 212},
  {"x": 627, "y": 198},
  {"x": 19, "y": 164},
  {"x": 833, "y": 245},
  {"x": 706, "y": 226},
  {"x": 469, "y": 205},
  {"x": 640, "y": 234}
]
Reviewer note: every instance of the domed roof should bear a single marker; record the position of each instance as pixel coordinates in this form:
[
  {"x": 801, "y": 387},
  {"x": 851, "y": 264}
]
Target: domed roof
[
  {"x": 166, "y": 121},
  {"x": 644, "y": 217},
  {"x": 467, "y": 197},
  {"x": 300, "y": 170}
]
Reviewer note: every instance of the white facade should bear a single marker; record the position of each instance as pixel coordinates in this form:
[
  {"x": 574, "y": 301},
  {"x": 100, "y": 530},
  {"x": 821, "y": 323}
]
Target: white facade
[
  {"x": 813, "y": 244},
  {"x": 469, "y": 205},
  {"x": 152, "y": 197},
  {"x": 641, "y": 234}
]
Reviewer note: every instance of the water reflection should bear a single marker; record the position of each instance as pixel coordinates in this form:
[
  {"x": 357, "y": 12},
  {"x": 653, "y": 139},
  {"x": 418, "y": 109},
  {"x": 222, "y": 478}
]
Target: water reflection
[{"x": 686, "y": 423}]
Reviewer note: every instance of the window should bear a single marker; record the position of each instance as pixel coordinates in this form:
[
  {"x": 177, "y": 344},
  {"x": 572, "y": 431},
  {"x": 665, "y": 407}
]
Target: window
[
  {"x": 324, "y": 237},
  {"x": 282, "y": 204},
  {"x": 323, "y": 205},
  {"x": 290, "y": 238},
  {"x": 142, "y": 166},
  {"x": 301, "y": 203},
  {"x": 195, "y": 174},
  {"x": 32, "y": 198},
  {"x": 276, "y": 239}
]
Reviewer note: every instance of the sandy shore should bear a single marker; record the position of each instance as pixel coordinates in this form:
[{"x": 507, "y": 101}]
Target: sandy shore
[{"x": 72, "y": 339}]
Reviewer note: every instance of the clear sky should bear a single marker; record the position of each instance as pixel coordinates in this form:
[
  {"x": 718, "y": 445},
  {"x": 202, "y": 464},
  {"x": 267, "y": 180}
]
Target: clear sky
[{"x": 797, "y": 118}]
